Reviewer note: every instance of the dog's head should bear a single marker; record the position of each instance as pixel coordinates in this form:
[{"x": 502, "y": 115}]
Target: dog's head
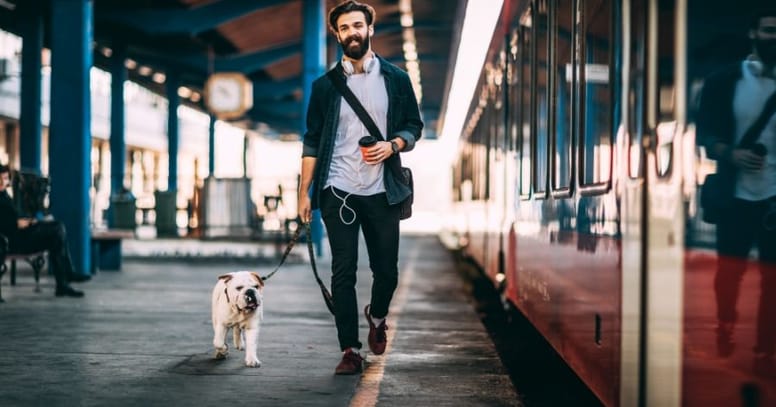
[{"x": 243, "y": 290}]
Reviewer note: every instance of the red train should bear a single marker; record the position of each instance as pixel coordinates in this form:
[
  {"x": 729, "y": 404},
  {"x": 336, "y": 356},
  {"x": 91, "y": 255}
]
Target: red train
[{"x": 576, "y": 188}]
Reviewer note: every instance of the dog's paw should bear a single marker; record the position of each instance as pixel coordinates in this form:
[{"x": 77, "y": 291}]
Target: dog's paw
[
  {"x": 252, "y": 362},
  {"x": 221, "y": 353},
  {"x": 239, "y": 346}
]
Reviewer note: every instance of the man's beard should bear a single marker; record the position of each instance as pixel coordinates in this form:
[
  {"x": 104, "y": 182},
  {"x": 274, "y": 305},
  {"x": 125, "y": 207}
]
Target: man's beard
[
  {"x": 766, "y": 50},
  {"x": 359, "y": 50}
]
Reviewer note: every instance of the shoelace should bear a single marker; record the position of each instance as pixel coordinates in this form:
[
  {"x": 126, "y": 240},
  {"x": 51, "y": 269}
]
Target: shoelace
[
  {"x": 381, "y": 335},
  {"x": 354, "y": 357}
]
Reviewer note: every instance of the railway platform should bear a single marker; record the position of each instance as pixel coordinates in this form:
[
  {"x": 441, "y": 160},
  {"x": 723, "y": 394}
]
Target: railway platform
[{"x": 142, "y": 336}]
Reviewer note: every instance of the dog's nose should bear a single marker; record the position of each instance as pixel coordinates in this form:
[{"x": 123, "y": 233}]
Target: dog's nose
[{"x": 250, "y": 296}]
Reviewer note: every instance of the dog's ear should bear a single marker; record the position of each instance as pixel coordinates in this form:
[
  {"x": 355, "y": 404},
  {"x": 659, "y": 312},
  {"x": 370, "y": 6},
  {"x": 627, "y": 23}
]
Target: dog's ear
[
  {"x": 226, "y": 277},
  {"x": 258, "y": 278}
]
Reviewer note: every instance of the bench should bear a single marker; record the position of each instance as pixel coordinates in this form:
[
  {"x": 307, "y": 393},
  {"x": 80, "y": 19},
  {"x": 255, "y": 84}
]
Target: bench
[
  {"x": 37, "y": 260},
  {"x": 106, "y": 248}
]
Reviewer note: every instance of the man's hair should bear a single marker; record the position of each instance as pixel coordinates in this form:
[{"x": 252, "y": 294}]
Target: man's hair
[
  {"x": 4, "y": 168},
  {"x": 759, "y": 14},
  {"x": 350, "y": 6}
]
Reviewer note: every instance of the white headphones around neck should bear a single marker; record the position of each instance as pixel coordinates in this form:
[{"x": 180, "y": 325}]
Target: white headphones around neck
[{"x": 347, "y": 66}]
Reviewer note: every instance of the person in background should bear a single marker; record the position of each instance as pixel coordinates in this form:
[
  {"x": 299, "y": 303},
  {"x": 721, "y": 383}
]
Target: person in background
[
  {"x": 27, "y": 235},
  {"x": 731, "y": 102}
]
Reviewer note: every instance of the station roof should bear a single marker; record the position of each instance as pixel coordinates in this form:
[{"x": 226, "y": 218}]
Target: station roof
[{"x": 260, "y": 38}]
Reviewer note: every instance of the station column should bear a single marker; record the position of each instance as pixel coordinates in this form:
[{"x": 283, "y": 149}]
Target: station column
[
  {"x": 172, "y": 129},
  {"x": 70, "y": 129},
  {"x": 118, "y": 147},
  {"x": 211, "y": 166},
  {"x": 167, "y": 201},
  {"x": 314, "y": 57},
  {"x": 32, "y": 45}
]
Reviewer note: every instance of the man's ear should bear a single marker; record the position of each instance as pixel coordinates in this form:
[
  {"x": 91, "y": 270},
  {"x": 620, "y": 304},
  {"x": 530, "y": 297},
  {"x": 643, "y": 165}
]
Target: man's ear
[{"x": 371, "y": 30}]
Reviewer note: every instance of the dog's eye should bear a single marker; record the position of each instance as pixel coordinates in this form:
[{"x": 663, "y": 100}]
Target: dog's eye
[
  {"x": 256, "y": 286},
  {"x": 239, "y": 288}
]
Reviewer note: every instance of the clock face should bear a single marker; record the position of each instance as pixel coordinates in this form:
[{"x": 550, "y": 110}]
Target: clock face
[{"x": 227, "y": 94}]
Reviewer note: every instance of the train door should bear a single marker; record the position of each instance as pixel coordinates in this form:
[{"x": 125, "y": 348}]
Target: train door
[{"x": 653, "y": 119}]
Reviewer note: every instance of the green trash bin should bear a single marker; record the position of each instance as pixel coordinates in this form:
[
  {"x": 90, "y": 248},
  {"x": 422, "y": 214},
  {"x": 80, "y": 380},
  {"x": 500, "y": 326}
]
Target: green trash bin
[
  {"x": 123, "y": 209},
  {"x": 166, "y": 208}
]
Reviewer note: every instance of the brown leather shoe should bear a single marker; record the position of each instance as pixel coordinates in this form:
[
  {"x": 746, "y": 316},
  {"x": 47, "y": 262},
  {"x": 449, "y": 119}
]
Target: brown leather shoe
[
  {"x": 377, "y": 337},
  {"x": 351, "y": 363}
]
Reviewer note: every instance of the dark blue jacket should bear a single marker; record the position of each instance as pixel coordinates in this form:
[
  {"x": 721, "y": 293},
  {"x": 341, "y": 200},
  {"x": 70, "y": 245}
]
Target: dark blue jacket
[{"x": 323, "y": 117}]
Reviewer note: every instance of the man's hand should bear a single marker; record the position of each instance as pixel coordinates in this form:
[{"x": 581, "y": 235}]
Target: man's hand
[
  {"x": 23, "y": 223},
  {"x": 304, "y": 208},
  {"x": 378, "y": 153},
  {"x": 746, "y": 160}
]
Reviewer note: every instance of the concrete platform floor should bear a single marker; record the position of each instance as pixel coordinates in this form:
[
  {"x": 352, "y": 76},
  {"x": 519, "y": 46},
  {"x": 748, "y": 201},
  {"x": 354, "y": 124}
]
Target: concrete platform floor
[{"x": 142, "y": 337}]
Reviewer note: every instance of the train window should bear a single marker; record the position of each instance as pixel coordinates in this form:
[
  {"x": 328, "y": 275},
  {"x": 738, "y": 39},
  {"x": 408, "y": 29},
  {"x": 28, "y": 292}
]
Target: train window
[
  {"x": 541, "y": 99},
  {"x": 597, "y": 125},
  {"x": 665, "y": 126},
  {"x": 513, "y": 85},
  {"x": 526, "y": 112},
  {"x": 636, "y": 86},
  {"x": 563, "y": 83}
]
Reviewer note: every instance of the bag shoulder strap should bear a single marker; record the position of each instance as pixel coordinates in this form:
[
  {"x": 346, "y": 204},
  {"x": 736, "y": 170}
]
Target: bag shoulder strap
[
  {"x": 754, "y": 131},
  {"x": 339, "y": 83}
]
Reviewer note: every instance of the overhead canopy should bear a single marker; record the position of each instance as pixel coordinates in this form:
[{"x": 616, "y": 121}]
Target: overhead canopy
[{"x": 260, "y": 38}]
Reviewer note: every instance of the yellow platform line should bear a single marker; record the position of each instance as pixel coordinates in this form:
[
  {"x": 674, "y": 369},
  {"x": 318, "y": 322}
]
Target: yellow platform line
[{"x": 368, "y": 388}]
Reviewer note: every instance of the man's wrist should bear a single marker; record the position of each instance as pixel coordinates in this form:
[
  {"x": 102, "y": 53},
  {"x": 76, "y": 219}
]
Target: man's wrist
[{"x": 395, "y": 147}]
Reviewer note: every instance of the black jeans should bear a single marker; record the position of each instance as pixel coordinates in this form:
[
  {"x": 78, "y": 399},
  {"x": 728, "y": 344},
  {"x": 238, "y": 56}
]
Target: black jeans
[
  {"x": 50, "y": 236},
  {"x": 380, "y": 225},
  {"x": 736, "y": 234}
]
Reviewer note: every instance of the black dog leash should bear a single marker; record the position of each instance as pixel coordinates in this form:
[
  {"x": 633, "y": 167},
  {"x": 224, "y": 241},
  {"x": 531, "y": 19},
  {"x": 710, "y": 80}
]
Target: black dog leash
[{"x": 295, "y": 238}]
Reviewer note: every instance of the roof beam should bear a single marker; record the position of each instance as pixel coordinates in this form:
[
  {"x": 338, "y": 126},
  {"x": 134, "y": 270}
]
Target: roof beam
[
  {"x": 399, "y": 59},
  {"x": 245, "y": 63},
  {"x": 386, "y": 29},
  {"x": 190, "y": 21},
  {"x": 269, "y": 90},
  {"x": 252, "y": 62},
  {"x": 284, "y": 109}
]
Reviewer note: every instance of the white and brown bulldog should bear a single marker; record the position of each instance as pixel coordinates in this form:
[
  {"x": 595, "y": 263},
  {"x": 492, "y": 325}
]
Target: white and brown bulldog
[{"x": 237, "y": 304}]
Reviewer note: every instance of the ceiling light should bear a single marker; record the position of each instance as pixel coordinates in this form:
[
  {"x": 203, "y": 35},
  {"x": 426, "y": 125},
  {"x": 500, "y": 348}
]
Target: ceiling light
[
  {"x": 144, "y": 70},
  {"x": 159, "y": 77},
  {"x": 406, "y": 20},
  {"x": 130, "y": 63},
  {"x": 184, "y": 92}
]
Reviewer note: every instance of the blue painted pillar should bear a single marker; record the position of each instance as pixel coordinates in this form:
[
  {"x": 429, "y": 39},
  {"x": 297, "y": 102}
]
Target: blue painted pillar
[
  {"x": 70, "y": 132},
  {"x": 118, "y": 146},
  {"x": 29, "y": 120},
  {"x": 314, "y": 60},
  {"x": 211, "y": 166},
  {"x": 172, "y": 129}
]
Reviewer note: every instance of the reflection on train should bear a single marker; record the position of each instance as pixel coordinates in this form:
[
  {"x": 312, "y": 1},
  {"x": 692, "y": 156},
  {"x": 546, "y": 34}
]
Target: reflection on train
[
  {"x": 239, "y": 153},
  {"x": 577, "y": 189}
]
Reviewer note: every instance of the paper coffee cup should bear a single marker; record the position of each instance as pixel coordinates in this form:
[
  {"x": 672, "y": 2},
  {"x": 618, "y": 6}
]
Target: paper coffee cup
[{"x": 365, "y": 143}]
